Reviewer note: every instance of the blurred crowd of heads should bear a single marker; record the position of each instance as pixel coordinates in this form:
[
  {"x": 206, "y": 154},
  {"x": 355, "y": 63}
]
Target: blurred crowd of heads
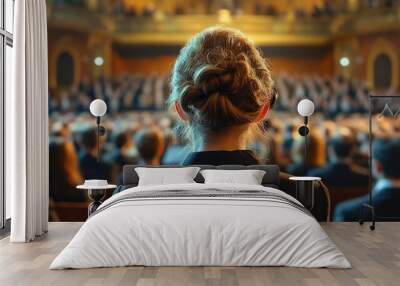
[
  {"x": 123, "y": 93},
  {"x": 148, "y": 138},
  {"x": 140, "y": 132},
  {"x": 333, "y": 96}
]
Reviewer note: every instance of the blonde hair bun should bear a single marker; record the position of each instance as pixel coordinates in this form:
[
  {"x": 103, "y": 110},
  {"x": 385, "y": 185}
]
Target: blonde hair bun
[{"x": 220, "y": 79}]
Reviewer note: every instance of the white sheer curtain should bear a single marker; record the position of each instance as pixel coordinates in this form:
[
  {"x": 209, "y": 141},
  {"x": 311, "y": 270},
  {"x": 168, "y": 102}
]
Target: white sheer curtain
[{"x": 27, "y": 124}]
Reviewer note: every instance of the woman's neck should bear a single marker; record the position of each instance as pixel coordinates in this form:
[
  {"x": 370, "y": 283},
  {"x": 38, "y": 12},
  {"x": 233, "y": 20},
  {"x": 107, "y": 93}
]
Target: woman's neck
[{"x": 225, "y": 140}]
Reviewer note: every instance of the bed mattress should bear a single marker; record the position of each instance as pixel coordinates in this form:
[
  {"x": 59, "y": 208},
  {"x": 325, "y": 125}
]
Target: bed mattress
[{"x": 201, "y": 225}]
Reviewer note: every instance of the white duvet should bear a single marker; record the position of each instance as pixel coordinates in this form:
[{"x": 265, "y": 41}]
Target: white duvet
[{"x": 200, "y": 231}]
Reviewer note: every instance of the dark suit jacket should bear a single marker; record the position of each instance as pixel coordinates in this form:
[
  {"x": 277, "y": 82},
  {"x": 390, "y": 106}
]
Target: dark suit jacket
[
  {"x": 341, "y": 175},
  {"x": 91, "y": 169},
  {"x": 386, "y": 203},
  {"x": 298, "y": 169}
]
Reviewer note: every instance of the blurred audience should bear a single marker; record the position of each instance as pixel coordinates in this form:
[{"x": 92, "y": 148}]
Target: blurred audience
[
  {"x": 137, "y": 136},
  {"x": 90, "y": 167},
  {"x": 176, "y": 151},
  {"x": 150, "y": 145},
  {"x": 333, "y": 96},
  {"x": 386, "y": 191},
  {"x": 315, "y": 159},
  {"x": 125, "y": 93},
  {"x": 122, "y": 154},
  {"x": 64, "y": 173},
  {"x": 340, "y": 170}
]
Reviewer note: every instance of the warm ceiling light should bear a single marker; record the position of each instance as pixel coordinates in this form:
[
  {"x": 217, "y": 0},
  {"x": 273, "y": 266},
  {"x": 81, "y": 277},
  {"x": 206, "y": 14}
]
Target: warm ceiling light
[
  {"x": 344, "y": 61},
  {"x": 99, "y": 61},
  {"x": 224, "y": 16}
]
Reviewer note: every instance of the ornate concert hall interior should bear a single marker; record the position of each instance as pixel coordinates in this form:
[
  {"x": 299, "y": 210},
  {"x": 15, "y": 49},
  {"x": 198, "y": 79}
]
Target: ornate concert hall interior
[{"x": 336, "y": 53}]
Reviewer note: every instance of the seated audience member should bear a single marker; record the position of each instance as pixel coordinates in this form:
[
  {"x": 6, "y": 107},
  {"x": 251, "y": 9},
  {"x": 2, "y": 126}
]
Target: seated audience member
[
  {"x": 176, "y": 152},
  {"x": 62, "y": 130},
  {"x": 121, "y": 154},
  {"x": 386, "y": 192},
  {"x": 340, "y": 172},
  {"x": 64, "y": 174},
  {"x": 90, "y": 167},
  {"x": 287, "y": 143},
  {"x": 361, "y": 156},
  {"x": 222, "y": 90},
  {"x": 316, "y": 155},
  {"x": 150, "y": 146}
]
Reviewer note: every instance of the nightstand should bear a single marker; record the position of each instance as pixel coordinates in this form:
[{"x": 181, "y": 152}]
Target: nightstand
[
  {"x": 96, "y": 194},
  {"x": 305, "y": 190}
]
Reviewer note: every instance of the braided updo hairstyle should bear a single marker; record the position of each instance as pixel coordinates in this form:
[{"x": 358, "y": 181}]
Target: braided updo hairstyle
[{"x": 220, "y": 80}]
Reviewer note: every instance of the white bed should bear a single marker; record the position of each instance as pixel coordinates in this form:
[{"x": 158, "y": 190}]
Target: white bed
[{"x": 264, "y": 229}]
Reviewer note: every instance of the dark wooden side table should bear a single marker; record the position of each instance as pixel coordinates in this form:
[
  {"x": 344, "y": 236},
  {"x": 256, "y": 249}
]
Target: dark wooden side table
[
  {"x": 305, "y": 190},
  {"x": 96, "y": 194}
]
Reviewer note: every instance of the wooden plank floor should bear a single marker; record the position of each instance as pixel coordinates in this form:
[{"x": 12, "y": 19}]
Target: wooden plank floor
[{"x": 375, "y": 257}]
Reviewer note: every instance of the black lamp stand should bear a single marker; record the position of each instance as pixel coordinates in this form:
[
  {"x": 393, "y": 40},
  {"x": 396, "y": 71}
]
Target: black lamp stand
[
  {"x": 101, "y": 131},
  {"x": 369, "y": 206},
  {"x": 303, "y": 131}
]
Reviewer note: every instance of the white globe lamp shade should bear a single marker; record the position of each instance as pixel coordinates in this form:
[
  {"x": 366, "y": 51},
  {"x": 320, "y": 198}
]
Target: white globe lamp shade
[
  {"x": 305, "y": 107},
  {"x": 98, "y": 107}
]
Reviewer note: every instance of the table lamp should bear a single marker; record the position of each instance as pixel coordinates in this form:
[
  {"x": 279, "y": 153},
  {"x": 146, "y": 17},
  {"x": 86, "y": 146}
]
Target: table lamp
[
  {"x": 98, "y": 108},
  {"x": 305, "y": 185},
  {"x": 305, "y": 108}
]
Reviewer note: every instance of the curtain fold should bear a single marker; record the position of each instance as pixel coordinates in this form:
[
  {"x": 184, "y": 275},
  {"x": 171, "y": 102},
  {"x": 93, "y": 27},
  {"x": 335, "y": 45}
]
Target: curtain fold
[{"x": 27, "y": 124}]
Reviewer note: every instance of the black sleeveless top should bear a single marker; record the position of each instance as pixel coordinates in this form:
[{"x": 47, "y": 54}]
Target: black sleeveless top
[{"x": 237, "y": 157}]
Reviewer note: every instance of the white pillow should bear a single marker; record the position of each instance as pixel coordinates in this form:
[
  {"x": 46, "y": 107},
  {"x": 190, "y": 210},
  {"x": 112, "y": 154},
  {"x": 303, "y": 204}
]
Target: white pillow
[
  {"x": 248, "y": 177},
  {"x": 166, "y": 176}
]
